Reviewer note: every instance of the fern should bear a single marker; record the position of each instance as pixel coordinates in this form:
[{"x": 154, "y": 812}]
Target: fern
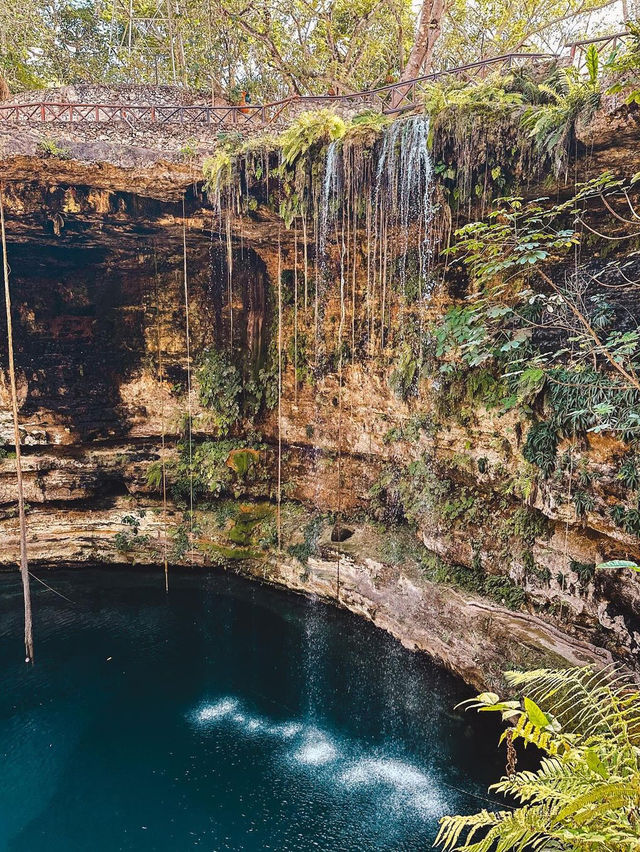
[
  {"x": 571, "y": 100},
  {"x": 309, "y": 129},
  {"x": 585, "y": 796}
]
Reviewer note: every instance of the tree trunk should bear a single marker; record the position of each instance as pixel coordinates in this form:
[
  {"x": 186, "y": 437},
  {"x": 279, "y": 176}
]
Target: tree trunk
[
  {"x": 24, "y": 566},
  {"x": 421, "y": 55},
  {"x": 4, "y": 89}
]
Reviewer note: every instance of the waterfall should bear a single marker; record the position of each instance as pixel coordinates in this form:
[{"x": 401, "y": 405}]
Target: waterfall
[
  {"x": 330, "y": 188},
  {"x": 403, "y": 188}
]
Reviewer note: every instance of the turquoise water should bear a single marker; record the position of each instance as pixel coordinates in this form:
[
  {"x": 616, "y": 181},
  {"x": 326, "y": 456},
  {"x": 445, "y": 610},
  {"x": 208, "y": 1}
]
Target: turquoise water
[{"x": 224, "y": 716}]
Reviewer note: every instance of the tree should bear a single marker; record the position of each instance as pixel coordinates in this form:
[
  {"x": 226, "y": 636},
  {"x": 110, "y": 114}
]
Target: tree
[
  {"x": 585, "y": 796},
  {"x": 428, "y": 31}
]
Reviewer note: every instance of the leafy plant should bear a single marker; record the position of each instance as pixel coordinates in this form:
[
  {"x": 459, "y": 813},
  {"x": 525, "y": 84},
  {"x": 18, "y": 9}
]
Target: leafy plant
[
  {"x": 50, "y": 148},
  {"x": 585, "y": 796},
  {"x": 572, "y": 99},
  {"x": 583, "y": 502},
  {"x": 625, "y": 64},
  {"x": 626, "y": 519},
  {"x": 616, "y": 564},
  {"x": 585, "y": 570},
  {"x": 220, "y": 388},
  {"x": 629, "y": 473},
  {"x": 541, "y": 446},
  {"x": 308, "y": 130},
  {"x": 130, "y": 538}
]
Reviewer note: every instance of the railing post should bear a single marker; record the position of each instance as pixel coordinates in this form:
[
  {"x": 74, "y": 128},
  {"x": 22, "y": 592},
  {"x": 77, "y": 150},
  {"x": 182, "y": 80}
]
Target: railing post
[{"x": 41, "y": 112}]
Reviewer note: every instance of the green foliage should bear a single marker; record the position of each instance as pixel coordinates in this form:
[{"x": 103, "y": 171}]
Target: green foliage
[
  {"x": 626, "y": 519},
  {"x": 403, "y": 378},
  {"x": 130, "y": 538},
  {"x": 519, "y": 244},
  {"x": 572, "y": 100},
  {"x": 307, "y": 131},
  {"x": 583, "y": 502},
  {"x": 505, "y": 591},
  {"x": 188, "y": 151},
  {"x": 585, "y": 399},
  {"x": 487, "y": 97},
  {"x": 220, "y": 388},
  {"x": 180, "y": 536},
  {"x": 215, "y": 468},
  {"x": 242, "y": 460},
  {"x": 501, "y": 589},
  {"x": 625, "y": 65},
  {"x": 478, "y": 146},
  {"x": 629, "y": 473},
  {"x": 541, "y": 446},
  {"x": 154, "y": 475},
  {"x": 463, "y": 329},
  {"x": 365, "y": 128},
  {"x": 586, "y": 571},
  {"x": 527, "y": 524},
  {"x": 585, "y": 796},
  {"x": 50, "y": 148},
  {"x": 515, "y": 235},
  {"x": 218, "y": 170},
  {"x": 617, "y": 564}
]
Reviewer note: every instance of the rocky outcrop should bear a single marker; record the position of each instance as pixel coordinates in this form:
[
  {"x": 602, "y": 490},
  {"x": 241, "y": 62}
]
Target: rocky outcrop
[
  {"x": 97, "y": 275},
  {"x": 476, "y": 640}
]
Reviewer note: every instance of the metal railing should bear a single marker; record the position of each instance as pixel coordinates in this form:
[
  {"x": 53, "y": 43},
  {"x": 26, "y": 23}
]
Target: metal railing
[{"x": 394, "y": 97}]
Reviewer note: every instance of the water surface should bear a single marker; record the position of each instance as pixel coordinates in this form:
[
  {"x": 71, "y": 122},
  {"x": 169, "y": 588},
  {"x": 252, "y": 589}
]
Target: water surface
[{"x": 224, "y": 716}]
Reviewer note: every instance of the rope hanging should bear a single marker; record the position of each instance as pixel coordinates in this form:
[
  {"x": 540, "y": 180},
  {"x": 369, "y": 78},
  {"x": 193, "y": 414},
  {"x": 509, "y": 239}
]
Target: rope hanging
[
  {"x": 24, "y": 564},
  {"x": 188, "y": 342}
]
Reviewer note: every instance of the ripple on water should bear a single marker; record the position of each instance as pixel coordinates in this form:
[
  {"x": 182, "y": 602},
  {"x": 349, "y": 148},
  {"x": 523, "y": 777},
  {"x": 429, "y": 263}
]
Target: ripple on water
[
  {"x": 316, "y": 749},
  {"x": 396, "y": 784},
  {"x": 400, "y": 783}
]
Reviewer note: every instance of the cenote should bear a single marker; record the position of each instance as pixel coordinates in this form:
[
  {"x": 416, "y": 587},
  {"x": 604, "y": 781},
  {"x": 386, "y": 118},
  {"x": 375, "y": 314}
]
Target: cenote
[
  {"x": 224, "y": 715},
  {"x": 342, "y": 338}
]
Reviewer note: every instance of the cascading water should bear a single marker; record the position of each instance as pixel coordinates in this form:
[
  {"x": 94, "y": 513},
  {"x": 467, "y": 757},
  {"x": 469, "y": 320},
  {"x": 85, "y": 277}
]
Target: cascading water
[
  {"x": 403, "y": 188},
  {"x": 329, "y": 196},
  {"x": 371, "y": 207}
]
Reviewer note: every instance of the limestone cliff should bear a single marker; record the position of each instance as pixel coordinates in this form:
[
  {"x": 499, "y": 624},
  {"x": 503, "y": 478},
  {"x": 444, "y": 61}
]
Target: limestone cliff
[{"x": 96, "y": 231}]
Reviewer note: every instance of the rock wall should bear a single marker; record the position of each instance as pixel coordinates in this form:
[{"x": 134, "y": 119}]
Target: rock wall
[{"x": 95, "y": 249}]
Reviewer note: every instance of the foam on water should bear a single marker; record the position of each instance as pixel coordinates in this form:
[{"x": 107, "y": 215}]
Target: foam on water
[
  {"x": 286, "y": 731},
  {"x": 212, "y": 712},
  {"x": 395, "y": 773}
]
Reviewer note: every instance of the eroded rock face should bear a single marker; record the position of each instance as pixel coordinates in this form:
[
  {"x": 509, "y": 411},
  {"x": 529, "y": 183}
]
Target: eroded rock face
[{"x": 97, "y": 273}]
